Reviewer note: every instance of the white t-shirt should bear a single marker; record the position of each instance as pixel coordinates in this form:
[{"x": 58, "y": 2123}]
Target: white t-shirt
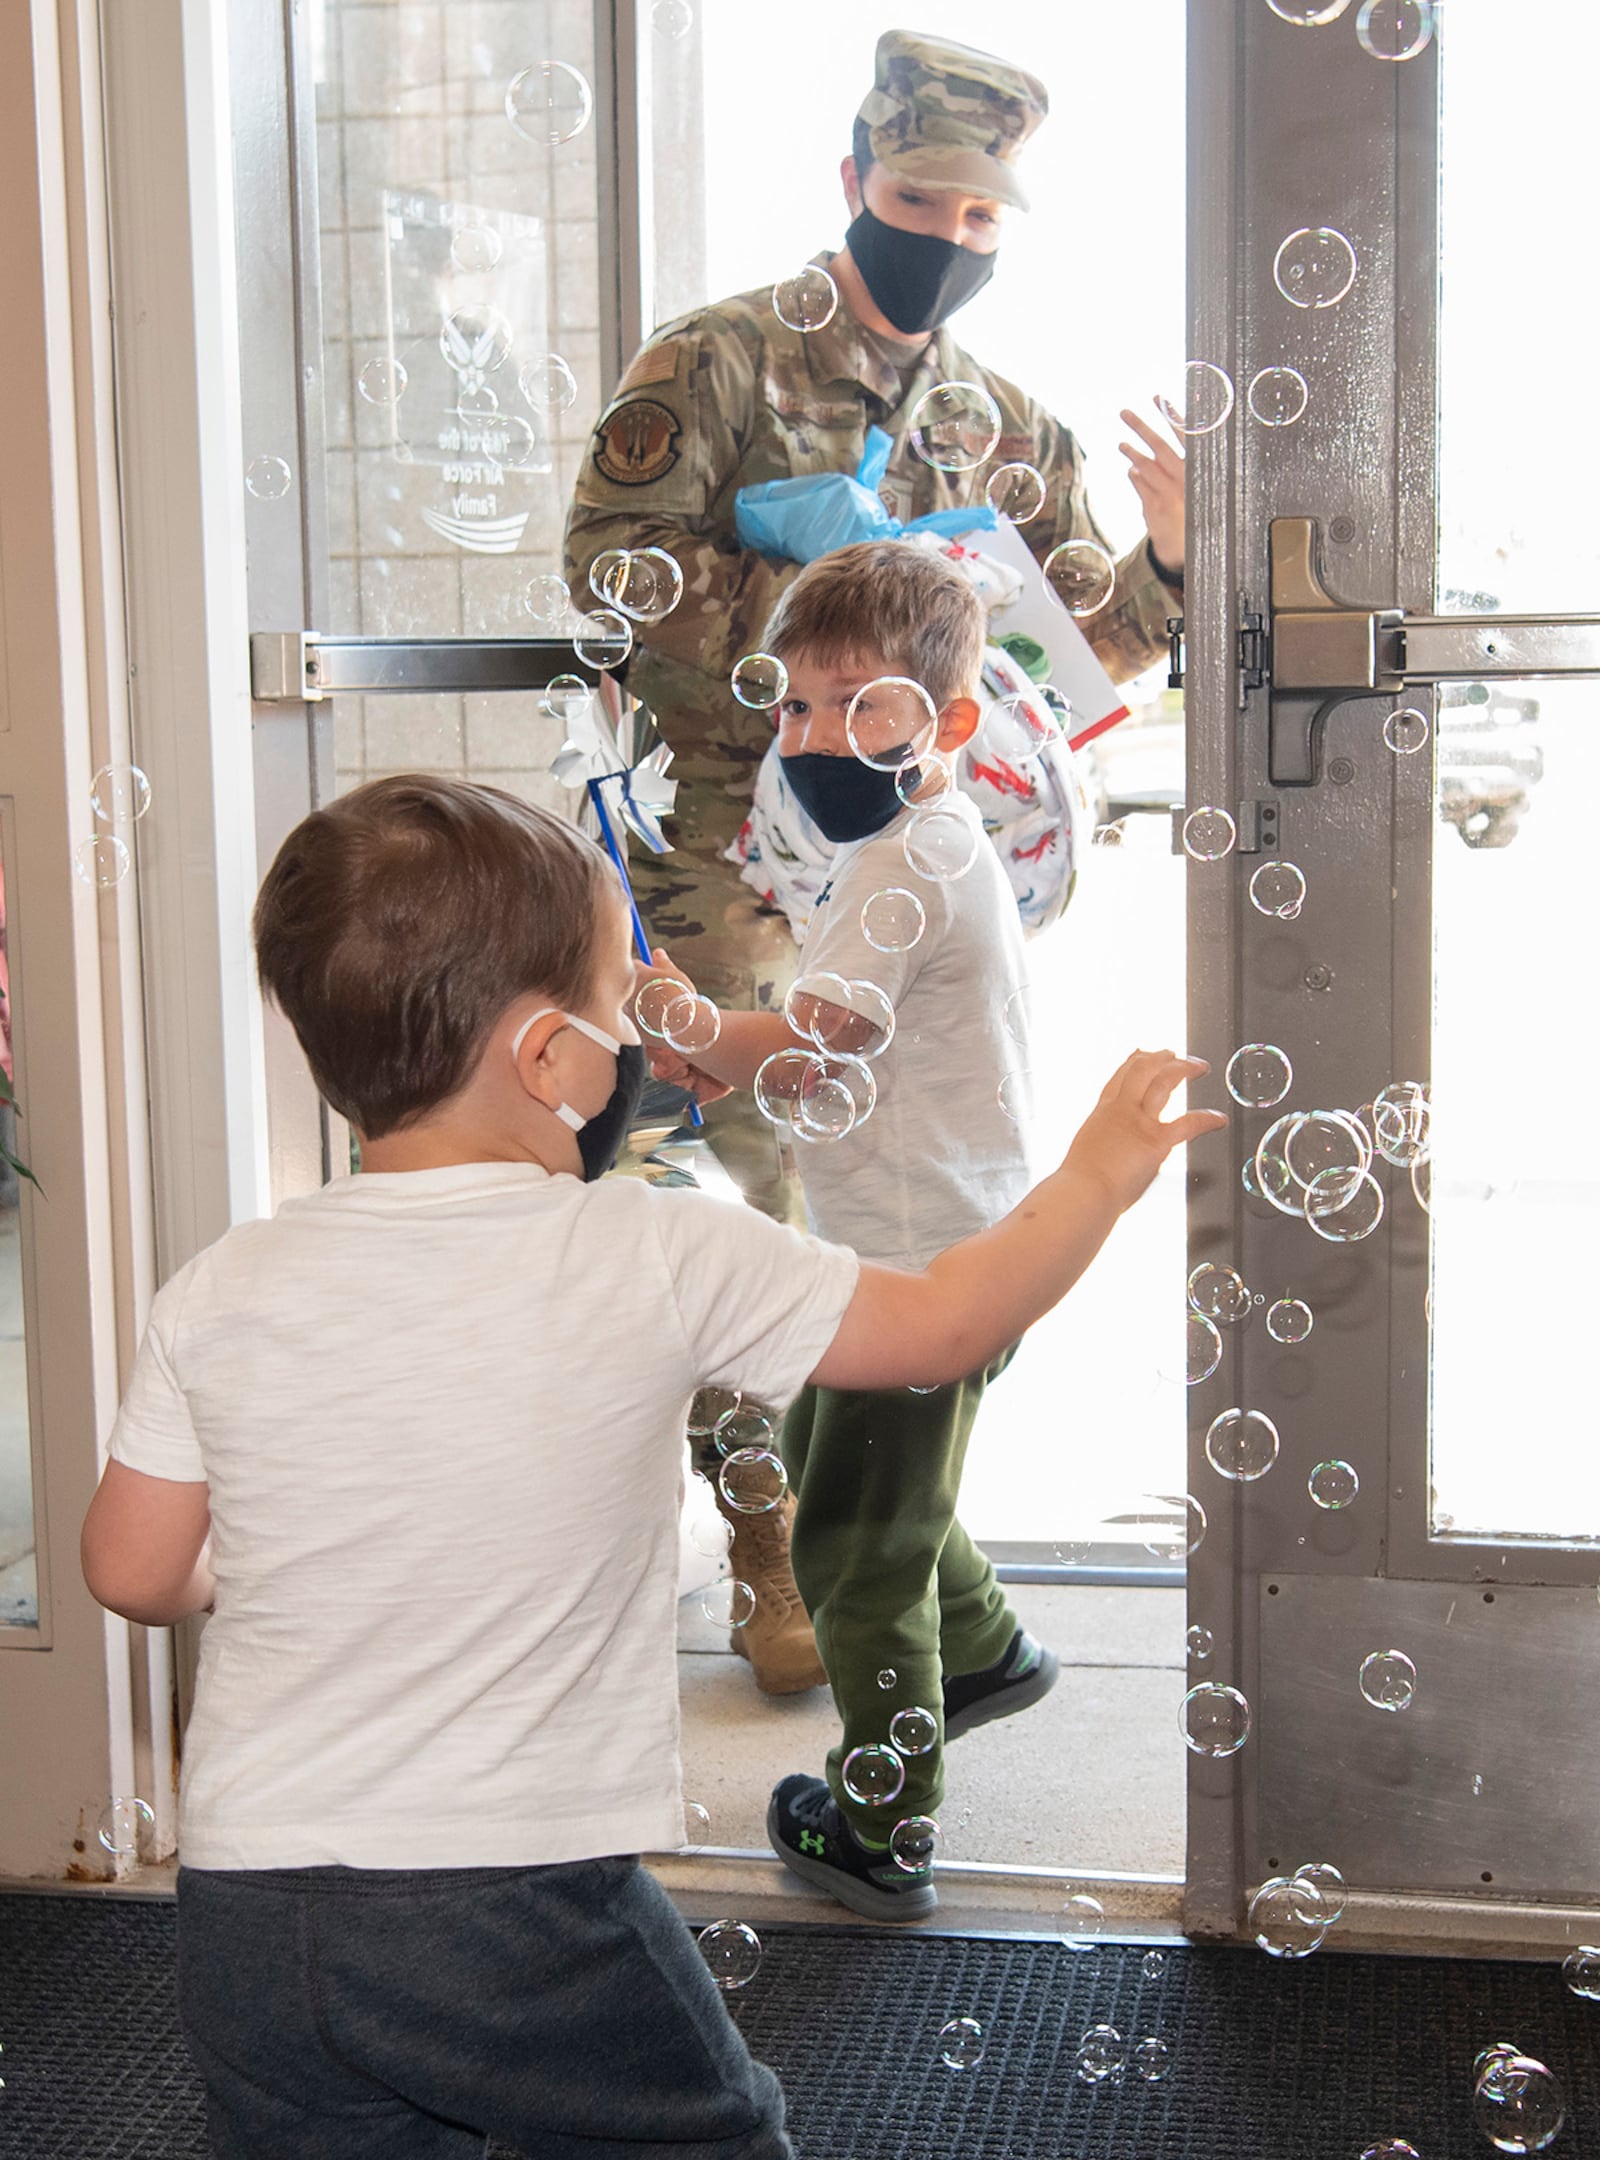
[
  {"x": 939, "y": 1158},
  {"x": 441, "y": 1415}
]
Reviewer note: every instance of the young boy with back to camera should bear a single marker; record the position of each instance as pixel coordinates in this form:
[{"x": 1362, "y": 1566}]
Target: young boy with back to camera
[
  {"x": 416, "y": 1441},
  {"x": 916, "y": 1635}
]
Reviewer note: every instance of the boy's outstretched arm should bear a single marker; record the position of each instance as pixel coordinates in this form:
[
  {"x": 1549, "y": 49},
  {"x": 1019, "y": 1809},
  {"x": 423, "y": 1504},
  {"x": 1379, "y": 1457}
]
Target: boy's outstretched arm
[{"x": 964, "y": 1308}]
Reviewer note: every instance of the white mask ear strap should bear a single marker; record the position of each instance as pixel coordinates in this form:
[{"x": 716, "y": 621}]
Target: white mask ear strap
[{"x": 563, "y": 1110}]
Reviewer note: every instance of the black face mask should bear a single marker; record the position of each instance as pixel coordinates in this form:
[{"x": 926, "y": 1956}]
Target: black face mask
[
  {"x": 600, "y": 1140},
  {"x": 916, "y": 279},
  {"x": 845, "y": 799}
]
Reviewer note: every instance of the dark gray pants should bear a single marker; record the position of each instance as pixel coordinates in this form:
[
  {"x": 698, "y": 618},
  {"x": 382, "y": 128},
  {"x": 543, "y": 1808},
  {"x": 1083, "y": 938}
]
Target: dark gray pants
[{"x": 351, "y": 2013}]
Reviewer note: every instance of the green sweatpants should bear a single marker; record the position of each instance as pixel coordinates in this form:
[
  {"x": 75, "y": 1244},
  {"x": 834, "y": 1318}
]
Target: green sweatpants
[{"x": 892, "y": 1582}]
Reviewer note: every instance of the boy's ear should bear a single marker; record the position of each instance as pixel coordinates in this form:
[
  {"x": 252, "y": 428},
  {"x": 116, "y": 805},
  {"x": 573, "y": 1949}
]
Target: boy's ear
[{"x": 958, "y": 723}]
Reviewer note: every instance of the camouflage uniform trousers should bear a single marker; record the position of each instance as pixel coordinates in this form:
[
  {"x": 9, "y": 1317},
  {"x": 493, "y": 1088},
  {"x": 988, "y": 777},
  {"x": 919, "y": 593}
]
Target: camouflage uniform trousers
[{"x": 738, "y": 952}]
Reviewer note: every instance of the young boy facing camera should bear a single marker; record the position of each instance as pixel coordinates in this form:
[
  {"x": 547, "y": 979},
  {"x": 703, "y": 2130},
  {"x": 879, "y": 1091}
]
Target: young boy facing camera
[
  {"x": 884, "y": 647},
  {"x": 417, "y": 1442}
]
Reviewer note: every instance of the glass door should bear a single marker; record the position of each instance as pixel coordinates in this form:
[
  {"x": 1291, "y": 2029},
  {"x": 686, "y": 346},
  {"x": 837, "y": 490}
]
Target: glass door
[{"x": 1389, "y": 747}]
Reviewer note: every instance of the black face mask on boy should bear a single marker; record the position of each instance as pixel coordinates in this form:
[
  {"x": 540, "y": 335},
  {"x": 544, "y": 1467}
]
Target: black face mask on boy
[
  {"x": 843, "y": 798},
  {"x": 917, "y": 279},
  {"x": 600, "y": 1137}
]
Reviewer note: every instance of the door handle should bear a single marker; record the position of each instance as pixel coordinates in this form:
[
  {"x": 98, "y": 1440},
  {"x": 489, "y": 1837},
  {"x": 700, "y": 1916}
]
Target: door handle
[{"x": 1321, "y": 654}]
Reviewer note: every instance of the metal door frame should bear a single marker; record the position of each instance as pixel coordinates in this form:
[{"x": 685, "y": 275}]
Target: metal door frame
[{"x": 1293, "y": 127}]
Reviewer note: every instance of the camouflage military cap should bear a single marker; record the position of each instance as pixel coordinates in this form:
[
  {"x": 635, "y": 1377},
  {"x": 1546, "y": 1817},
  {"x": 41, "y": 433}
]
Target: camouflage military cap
[{"x": 948, "y": 117}]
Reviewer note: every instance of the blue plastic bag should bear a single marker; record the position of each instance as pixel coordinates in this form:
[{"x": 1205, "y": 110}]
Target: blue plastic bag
[{"x": 818, "y": 512}]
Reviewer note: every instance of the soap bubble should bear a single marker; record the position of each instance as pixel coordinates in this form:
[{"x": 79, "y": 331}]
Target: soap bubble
[
  {"x": 655, "y": 999},
  {"x": 824, "y": 1107},
  {"x": 1289, "y": 1320},
  {"x": 708, "y": 1407},
  {"x": 1015, "y": 1096},
  {"x": 548, "y": 599},
  {"x": 1388, "y": 1680},
  {"x": 1204, "y": 402},
  {"x": 891, "y": 722},
  {"x": 1102, "y": 2053},
  {"x": 1287, "y": 1917},
  {"x": 893, "y": 920},
  {"x": 696, "y": 1827},
  {"x": 743, "y": 1426},
  {"x": 1082, "y": 1918},
  {"x": 602, "y": 639},
  {"x": 1200, "y": 1643},
  {"x": 732, "y": 1951},
  {"x": 1208, "y": 834},
  {"x": 382, "y": 381},
  {"x": 777, "y": 1085},
  {"x": 873, "y": 1775},
  {"x": 961, "y": 2043},
  {"x": 760, "y": 681},
  {"x": 1307, "y": 13},
  {"x": 1391, "y": 2149},
  {"x": 1422, "y": 1185},
  {"x": 807, "y": 301},
  {"x": 1333, "y": 1484},
  {"x": 1081, "y": 575},
  {"x": 1152, "y": 2059},
  {"x": 1016, "y": 492},
  {"x": 1394, "y": 29},
  {"x": 867, "y": 1002},
  {"x": 940, "y": 844},
  {"x": 672, "y": 18},
  {"x": 1344, "y": 1207},
  {"x": 1242, "y": 1444},
  {"x": 1402, "y": 1119},
  {"x": 123, "y": 1823},
  {"x": 603, "y": 566},
  {"x": 1314, "y": 267},
  {"x": 1518, "y": 2104},
  {"x": 1405, "y": 731},
  {"x": 1172, "y": 1526},
  {"x": 1330, "y": 1886},
  {"x": 1202, "y": 1348},
  {"x": 102, "y": 861},
  {"x": 728, "y": 1603},
  {"x": 712, "y": 1537},
  {"x": 752, "y": 1481},
  {"x": 646, "y": 585},
  {"x": 1018, "y": 728},
  {"x": 549, "y": 103},
  {"x": 1016, "y": 1016},
  {"x": 1259, "y": 1075},
  {"x": 927, "y": 781},
  {"x": 1219, "y": 1292},
  {"x": 1581, "y": 1972},
  {"x": 475, "y": 248},
  {"x": 268, "y": 478},
  {"x": 913, "y": 1730},
  {"x": 549, "y": 384},
  {"x": 690, "y": 1024},
  {"x": 886, "y": 1679},
  {"x": 475, "y": 341},
  {"x": 914, "y": 1843},
  {"x": 817, "y": 1005},
  {"x": 1214, "y": 1720},
  {"x": 119, "y": 794},
  {"x": 1327, "y": 1142},
  {"x": 1277, "y": 396},
  {"x": 1278, "y": 888},
  {"x": 955, "y": 426}
]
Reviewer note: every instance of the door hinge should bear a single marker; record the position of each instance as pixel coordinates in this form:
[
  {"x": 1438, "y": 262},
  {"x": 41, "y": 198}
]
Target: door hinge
[{"x": 1252, "y": 652}]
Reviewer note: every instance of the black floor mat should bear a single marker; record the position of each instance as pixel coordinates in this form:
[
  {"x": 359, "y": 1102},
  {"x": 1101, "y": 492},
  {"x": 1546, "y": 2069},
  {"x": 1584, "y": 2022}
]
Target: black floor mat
[{"x": 1309, "y": 2061}]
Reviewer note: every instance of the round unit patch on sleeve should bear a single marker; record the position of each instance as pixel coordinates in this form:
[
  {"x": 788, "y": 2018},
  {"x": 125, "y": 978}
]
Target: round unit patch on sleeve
[{"x": 637, "y": 443}]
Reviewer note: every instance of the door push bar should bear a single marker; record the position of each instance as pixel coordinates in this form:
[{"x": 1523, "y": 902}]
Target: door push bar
[
  {"x": 1319, "y": 654},
  {"x": 299, "y": 667}
]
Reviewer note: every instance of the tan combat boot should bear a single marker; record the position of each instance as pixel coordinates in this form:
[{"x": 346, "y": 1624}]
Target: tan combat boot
[{"x": 777, "y": 1638}]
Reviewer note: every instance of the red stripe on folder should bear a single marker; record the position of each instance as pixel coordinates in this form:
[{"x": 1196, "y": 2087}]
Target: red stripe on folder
[{"x": 1088, "y": 734}]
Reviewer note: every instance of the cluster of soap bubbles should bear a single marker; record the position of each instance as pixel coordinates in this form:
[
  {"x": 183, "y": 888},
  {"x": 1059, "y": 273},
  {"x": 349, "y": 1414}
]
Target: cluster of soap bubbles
[
  {"x": 1290, "y": 1915},
  {"x": 644, "y": 584},
  {"x": 1275, "y": 396},
  {"x": 1517, "y": 2102},
  {"x": 1317, "y": 1165},
  {"x": 119, "y": 796},
  {"x": 1219, "y": 1297},
  {"x": 1385, "y": 29},
  {"x": 1103, "y": 2057}
]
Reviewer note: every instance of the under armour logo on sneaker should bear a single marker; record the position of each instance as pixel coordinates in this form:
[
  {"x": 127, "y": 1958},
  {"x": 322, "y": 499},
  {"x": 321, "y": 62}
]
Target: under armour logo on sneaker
[{"x": 812, "y": 1841}]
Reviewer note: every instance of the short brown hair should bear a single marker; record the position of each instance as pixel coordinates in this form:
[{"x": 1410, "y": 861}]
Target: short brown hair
[
  {"x": 882, "y": 599},
  {"x": 398, "y": 923}
]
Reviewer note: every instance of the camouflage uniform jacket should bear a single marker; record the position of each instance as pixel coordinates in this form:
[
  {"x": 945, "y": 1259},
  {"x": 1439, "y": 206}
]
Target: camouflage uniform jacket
[{"x": 727, "y": 397}]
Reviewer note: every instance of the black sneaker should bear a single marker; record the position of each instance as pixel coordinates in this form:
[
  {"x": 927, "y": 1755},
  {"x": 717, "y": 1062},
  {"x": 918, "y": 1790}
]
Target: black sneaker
[
  {"x": 1024, "y": 1676},
  {"x": 813, "y": 1840}
]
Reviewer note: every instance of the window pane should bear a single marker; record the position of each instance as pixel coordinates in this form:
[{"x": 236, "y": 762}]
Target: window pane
[{"x": 19, "y": 1577}]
